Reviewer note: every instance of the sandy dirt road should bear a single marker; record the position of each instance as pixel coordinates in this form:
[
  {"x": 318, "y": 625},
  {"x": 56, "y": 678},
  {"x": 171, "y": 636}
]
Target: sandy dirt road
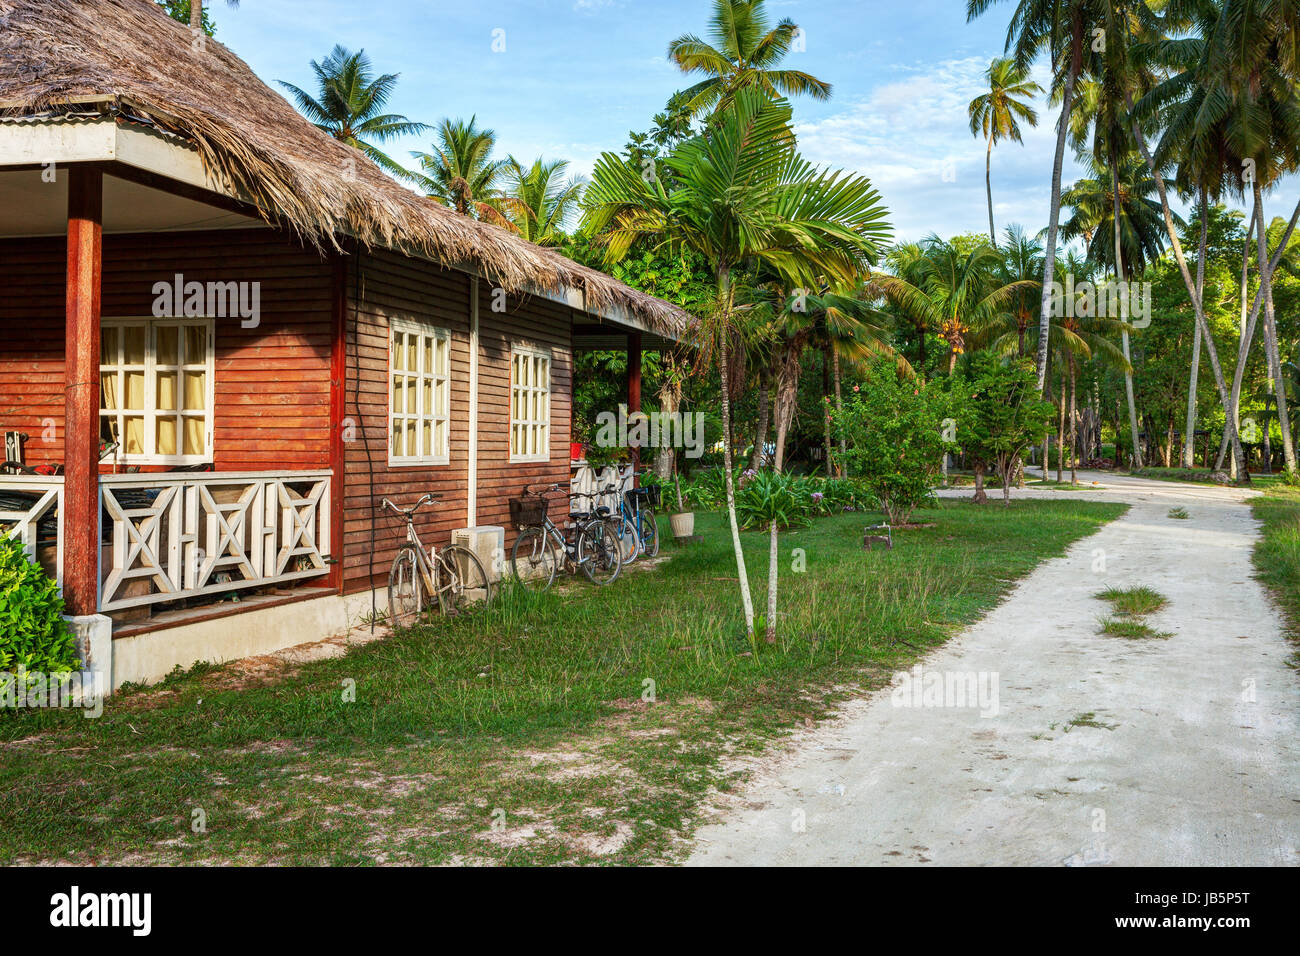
[{"x": 1102, "y": 749}]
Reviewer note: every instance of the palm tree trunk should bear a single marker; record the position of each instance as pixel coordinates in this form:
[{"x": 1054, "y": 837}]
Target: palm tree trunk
[
  {"x": 826, "y": 402},
  {"x": 764, "y": 420},
  {"x": 1249, "y": 334},
  {"x": 787, "y": 395},
  {"x": 1060, "y": 436},
  {"x": 1054, "y": 213},
  {"x": 988, "y": 186},
  {"x": 747, "y": 602},
  {"x": 1074, "y": 429},
  {"x": 773, "y": 570},
  {"x": 1241, "y": 340},
  {"x": 196, "y": 14},
  {"x": 839, "y": 407},
  {"x": 1119, "y": 277},
  {"x": 1270, "y": 337},
  {"x": 1189, "y": 435},
  {"x": 1215, "y": 367}
]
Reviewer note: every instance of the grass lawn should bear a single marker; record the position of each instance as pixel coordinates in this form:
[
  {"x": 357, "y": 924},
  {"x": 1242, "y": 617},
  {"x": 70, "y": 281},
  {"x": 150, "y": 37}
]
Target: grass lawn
[
  {"x": 518, "y": 734},
  {"x": 1277, "y": 553},
  {"x": 1202, "y": 476}
]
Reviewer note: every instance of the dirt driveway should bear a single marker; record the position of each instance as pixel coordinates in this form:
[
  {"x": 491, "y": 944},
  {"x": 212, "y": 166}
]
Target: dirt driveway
[{"x": 1080, "y": 748}]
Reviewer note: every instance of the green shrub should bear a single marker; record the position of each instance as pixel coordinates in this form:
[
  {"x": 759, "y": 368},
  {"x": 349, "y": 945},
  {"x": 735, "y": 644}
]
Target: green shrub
[
  {"x": 770, "y": 496},
  {"x": 895, "y": 439},
  {"x": 33, "y": 634}
]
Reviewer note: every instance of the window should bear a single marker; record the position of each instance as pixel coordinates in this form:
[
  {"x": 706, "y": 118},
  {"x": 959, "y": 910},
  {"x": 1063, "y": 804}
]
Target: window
[
  {"x": 155, "y": 390},
  {"x": 419, "y": 394},
  {"x": 530, "y": 405}
]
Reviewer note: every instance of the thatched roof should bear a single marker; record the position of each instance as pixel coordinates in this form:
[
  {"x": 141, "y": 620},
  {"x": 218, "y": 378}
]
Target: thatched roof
[{"x": 128, "y": 56}]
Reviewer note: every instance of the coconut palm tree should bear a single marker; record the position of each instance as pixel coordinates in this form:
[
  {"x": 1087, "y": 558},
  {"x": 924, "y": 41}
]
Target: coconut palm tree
[
  {"x": 741, "y": 193},
  {"x": 745, "y": 54},
  {"x": 997, "y": 114},
  {"x": 1060, "y": 28},
  {"x": 190, "y": 11},
  {"x": 1008, "y": 333},
  {"x": 952, "y": 293},
  {"x": 537, "y": 201},
  {"x": 461, "y": 172},
  {"x": 349, "y": 106}
]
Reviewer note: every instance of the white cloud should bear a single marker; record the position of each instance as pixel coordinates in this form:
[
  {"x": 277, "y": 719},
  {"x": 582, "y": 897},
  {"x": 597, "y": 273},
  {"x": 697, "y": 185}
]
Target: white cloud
[{"x": 906, "y": 134}]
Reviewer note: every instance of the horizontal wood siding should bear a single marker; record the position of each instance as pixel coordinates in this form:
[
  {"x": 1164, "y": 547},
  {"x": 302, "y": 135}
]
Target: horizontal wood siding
[
  {"x": 271, "y": 383},
  {"x": 539, "y": 324},
  {"x": 383, "y": 285}
]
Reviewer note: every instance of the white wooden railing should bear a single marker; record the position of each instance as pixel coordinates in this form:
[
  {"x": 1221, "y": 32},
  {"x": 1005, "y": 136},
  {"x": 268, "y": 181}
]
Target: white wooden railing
[
  {"x": 179, "y": 536},
  {"x": 45, "y": 495}
]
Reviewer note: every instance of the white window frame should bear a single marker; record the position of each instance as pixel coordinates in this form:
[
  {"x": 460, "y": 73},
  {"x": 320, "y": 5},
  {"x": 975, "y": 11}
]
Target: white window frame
[
  {"x": 542, "y": 425},
  {"x": 441, "y": 387},
  {"x": 151, "y": 413}
]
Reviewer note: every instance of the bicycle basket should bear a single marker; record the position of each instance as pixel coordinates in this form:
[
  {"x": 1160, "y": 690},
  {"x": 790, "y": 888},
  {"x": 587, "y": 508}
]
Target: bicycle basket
[
  {"x": 527, "y": 512},
  {"x": 650, "y": 495}
]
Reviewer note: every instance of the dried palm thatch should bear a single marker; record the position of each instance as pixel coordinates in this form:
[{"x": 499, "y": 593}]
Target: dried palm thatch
[{"x": 127, "y": 58}]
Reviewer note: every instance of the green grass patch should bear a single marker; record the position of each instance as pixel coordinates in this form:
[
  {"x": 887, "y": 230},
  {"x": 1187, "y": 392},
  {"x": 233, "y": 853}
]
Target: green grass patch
[
  {"x": 1179, "y": 514},
  {"x": 1134, "y": 602},
  {"x": 588, "y": 726},
  {"x": 1277, "y": 552},
  {"x": 1131, "y": 629}
]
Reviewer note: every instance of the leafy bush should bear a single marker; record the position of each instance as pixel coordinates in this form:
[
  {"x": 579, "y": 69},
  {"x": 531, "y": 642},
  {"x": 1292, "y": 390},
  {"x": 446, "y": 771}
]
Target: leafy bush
[
  {"x": 771, "y": 496},
  {"x": 33, "y": 634},
  {"x": 895, "y": 439}
]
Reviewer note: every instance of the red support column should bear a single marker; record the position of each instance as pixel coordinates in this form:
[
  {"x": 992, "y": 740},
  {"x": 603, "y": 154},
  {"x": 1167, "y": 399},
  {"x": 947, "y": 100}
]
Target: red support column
[
  {"x": 634, "y": 385},
  {"x": 338, "y": 418},
  {"x": 81, "y": 382}
]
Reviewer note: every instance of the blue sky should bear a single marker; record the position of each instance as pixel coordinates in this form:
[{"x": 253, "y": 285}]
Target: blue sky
[{"x": 576, "y": 75}]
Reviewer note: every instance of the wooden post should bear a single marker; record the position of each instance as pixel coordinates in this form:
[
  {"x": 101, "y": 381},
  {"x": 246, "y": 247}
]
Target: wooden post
[
  {"x": 634, "y": 385},
  {"x": 338, "y": 418},
  {"x": 81, "y": 384}
]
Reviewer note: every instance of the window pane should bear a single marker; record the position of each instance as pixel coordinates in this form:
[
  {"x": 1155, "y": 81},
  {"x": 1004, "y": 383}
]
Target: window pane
[
  {"x": 399, "y": 396},
  {"x": 196, "y": 345},
  {"x": 166, "y": 393},
  {"x": 196, "y": 435},
  {"x": 134, "y": 390},
  {"x": 133, "y": 338},
  {"x": 165, "y": 443},
  {"x": 108, "y": 346},
  {"x": 133, "y": 439},
  {"x": 429, "y": 364},
  {"x": 108, "y": 397},
  {"x": 196, "y": 394},
  {"x": 426, "y": 439},
  {"x": 396, "y": 440},
  {"x": 429, "y": 408},
  {"x": 168, "y": 345}
]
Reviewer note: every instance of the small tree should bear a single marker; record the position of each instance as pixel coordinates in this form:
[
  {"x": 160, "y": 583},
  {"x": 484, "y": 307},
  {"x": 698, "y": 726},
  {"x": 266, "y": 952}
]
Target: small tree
[
  {"x": 896, "y": 441},
  {"x": 1004, "y": 415},
  {"x": 33, "y": 634}
]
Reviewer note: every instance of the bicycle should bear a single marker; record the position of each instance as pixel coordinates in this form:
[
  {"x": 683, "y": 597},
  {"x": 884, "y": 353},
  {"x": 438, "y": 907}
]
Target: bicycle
[
  {"x": 542, "y": 547},
  {"x": 620, "y": 520},
  {"x": 638, "y": 506},
  {"x": 454, "y": 575}
]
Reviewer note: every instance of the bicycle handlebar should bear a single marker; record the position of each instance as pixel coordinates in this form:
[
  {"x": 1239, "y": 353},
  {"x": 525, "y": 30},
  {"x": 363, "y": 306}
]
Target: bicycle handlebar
[{"x": 427, "y": 499}]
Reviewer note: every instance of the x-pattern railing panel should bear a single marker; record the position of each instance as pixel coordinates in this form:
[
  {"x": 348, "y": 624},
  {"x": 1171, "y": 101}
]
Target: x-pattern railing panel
[{"x": 211, "y": 534}]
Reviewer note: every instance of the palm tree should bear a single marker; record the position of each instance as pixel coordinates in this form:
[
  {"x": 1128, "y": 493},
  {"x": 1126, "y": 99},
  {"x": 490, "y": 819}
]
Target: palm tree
[
  {"x": 196, "y": 12},
  {"x": 461, "y": 172},
  {"x": 538, "y": 202},
  {"x": 996, "y": 114},
  {"x": 1008, "y": 333},
  {"x": 349, "y": 106},
  {"x": 741, "y": 193},
  {"x": 1059, "y": 27},
  {"x": 953, "y": 293},
  {"x": 744, "y": 54}
]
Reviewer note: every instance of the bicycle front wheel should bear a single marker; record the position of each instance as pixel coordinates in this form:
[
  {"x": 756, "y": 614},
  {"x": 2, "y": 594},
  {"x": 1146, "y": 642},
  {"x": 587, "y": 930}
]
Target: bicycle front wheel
[
  {"x": 649, "y": 533},
  {"x": 406, "y": 590},
  {"x": 534, "y": 559},
  {"x": 629, "y": 541},
  {"x": 599, "y": 554},
  {"x": 461, "y": 580}
]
